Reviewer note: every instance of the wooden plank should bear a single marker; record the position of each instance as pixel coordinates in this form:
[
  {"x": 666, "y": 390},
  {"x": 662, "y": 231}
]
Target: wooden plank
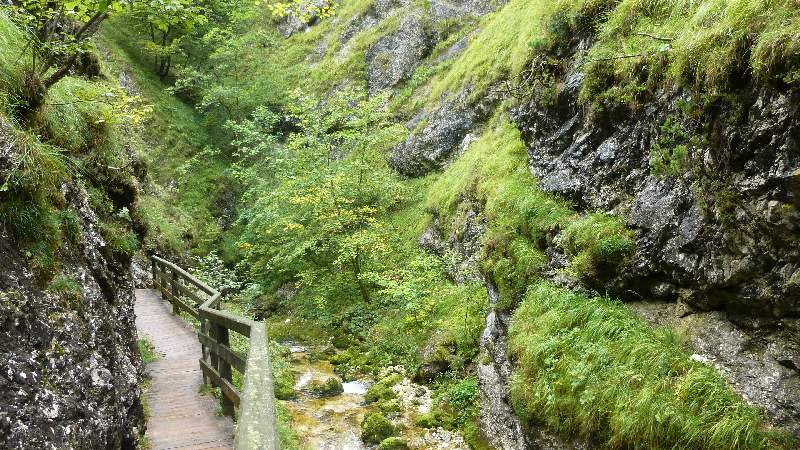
[
  {"x": 184, "y": 306},
  {"x": 227, "y": 320},
  {"x": 189, "y": 292},
  {"x": 186, "y": 275},
  {"x": 225, "y": 386},
  {"x": 257, "y": 424},
  {"x": 234, "y": 358}
]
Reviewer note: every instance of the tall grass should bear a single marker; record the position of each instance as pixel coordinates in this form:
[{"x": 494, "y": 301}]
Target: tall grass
[{"x": 588, "y": 366}]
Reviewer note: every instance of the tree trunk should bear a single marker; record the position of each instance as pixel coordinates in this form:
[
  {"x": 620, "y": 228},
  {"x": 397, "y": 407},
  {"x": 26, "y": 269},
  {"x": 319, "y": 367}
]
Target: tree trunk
[{"x": 357, "y": 272}]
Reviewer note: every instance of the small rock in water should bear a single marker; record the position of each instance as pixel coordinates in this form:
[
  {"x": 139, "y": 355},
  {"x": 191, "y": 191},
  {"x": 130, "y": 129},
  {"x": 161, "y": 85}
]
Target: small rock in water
[{"x": 328, "y": 388}]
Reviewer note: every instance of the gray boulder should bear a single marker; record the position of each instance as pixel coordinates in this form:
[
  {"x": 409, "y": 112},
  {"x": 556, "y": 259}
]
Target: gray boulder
[
  {"x": 393, "y": 58},
  {"x": 443, "y": 131}
]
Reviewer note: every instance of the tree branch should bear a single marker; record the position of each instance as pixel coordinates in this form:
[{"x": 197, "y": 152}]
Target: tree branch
[{"x": 658, "y": 38}]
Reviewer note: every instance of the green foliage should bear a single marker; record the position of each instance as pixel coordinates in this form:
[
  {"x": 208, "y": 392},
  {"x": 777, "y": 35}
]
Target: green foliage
[
  {"x": 375, "y": 428},
  {"x": 708, "y": 45},
  {"x": 147, "y": 351},
  {"x": 599, "y": 245},
  {"x": 329, "y": 184},
  {"x": 67, "y": 287},
  {"x": 120, "y": 239},
  {"x": 54, "y": 48},
  {"x": 282, "y": 375},
  {"x": 166, "y": 23},
  {"x": 589, "y": 367},
  {"x": 211, "y": 269}
]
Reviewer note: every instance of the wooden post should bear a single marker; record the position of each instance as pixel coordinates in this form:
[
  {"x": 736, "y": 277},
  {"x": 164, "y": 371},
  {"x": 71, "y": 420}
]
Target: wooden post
[
  {"x": 204, "y": 330},
  {"x": 153, "y": 270},
  {"x": 173, "y": 285},
  {"x": 224, "y": 368}
]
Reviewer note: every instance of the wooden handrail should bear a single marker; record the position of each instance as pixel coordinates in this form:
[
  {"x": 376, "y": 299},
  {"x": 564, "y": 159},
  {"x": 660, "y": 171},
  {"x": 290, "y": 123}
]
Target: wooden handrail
[{"x": 257, "y": 428}]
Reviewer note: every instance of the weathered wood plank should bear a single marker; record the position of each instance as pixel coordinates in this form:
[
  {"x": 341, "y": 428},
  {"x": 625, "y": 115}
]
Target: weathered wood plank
[
  {"x": 227, "y": 320},
  {"x": 228, "y": 390},
  {"x": 186, "y": 275},
  {"x": 257, "y": 426},
  {"x": 234, "y": 358},
  {"x": 192, "y": 294},
  {"x": 185, "y": 306}
]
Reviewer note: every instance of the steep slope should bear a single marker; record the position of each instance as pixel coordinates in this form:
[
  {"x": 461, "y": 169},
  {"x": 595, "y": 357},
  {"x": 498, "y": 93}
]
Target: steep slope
[{"x": 69, "y": 225}]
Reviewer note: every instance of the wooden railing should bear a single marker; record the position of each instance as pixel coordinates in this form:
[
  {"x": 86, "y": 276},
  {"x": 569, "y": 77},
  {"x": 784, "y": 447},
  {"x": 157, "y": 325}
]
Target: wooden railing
[{"x": 256, "y": 402}]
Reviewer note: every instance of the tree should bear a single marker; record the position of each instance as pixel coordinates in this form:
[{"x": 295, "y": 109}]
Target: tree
[
  {"x": 57, "y": 33},
  {"x": 318, "y": 206},
  {"x": 167, "y": 23}
]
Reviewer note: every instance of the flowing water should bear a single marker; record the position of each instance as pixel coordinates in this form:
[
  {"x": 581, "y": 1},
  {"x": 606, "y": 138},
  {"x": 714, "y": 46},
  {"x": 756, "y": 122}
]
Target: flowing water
[{"x": 331, "y": 423}]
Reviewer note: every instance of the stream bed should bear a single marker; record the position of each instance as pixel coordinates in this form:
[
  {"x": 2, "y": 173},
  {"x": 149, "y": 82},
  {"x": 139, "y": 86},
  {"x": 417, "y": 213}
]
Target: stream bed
[
  {"x": 328, "y": 423},
  {"x": 334, "y": 422}
]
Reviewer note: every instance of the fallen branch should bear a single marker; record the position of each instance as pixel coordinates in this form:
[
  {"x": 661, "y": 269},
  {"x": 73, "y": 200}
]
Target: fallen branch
[{"x": 658, "y": 38}]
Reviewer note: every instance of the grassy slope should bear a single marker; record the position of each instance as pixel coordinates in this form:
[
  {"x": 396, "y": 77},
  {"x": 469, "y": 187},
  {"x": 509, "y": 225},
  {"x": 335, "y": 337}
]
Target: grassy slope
[
  {"x": 78, "y": 134},
  {"x": 173, "y": 146}
]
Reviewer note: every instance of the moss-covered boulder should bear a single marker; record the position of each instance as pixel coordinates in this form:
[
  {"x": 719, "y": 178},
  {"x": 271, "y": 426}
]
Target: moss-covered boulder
[
  {"x": 328, "y": 388},
  {"x": 375, "y": 428},
  {"x": 382, "y": 390},
  {"x": 393, "y": 443}
]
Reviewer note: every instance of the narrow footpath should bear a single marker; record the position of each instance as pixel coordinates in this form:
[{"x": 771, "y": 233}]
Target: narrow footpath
[{"x": 180, "y": 417}]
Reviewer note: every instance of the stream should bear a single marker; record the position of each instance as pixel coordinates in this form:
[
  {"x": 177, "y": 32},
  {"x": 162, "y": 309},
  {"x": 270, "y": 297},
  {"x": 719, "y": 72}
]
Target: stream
[{"x": 330, "y": 423}]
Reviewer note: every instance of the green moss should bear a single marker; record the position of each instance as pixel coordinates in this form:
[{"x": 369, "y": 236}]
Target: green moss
[
  {"x": 382, "y": 390},
  {"x": 147, "y": 351},
  {"x": 328, "y": 388},
  {"x": 588, "y": 366},
  {"x": 427, "y": 420},
  {"x": 375, "y": 428},
  {"x": 67, "y": 287},
  {"x": 599, "y": 244},
  {"x": 393, "y": 443}
]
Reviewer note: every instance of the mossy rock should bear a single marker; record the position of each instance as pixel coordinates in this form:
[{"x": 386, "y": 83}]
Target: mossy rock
[
  {"x": 328, "y": 388},
  {"x": 382, "y": 390},
  {"x": 393, "y": 443},
  {"x": 375, "y": 428},
  {"x": 390, "y": 406},
  {"x": 427, "y": 420},
  {"x": 284, "y": 391}
]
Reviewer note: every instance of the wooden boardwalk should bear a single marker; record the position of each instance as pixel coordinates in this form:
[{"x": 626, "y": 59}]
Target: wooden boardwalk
[{"x": 180, "y": 417}]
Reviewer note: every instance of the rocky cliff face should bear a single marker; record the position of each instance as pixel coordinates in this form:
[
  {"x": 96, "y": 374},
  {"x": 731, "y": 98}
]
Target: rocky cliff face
[
  {"x": 69, "y": 364},
  {"x": 712, "y": 191}
]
